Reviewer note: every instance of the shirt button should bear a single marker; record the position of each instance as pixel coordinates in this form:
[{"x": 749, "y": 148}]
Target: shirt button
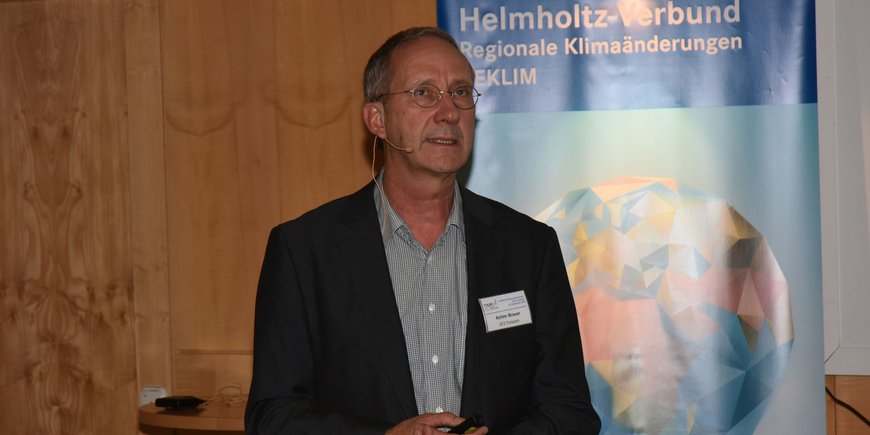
[
  {"x": 435, "y": 359},
  {"x": 439, "y": 409},
  {"x": 431, "y": 308}
]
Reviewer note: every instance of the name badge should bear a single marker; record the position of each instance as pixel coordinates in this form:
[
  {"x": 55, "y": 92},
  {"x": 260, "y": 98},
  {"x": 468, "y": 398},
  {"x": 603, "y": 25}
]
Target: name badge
[{"x": 506, "y": 311}]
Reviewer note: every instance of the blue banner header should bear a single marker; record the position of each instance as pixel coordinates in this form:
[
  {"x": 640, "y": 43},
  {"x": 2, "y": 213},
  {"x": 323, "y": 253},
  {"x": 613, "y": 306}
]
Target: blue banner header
[{"x": 600, "y": 55}]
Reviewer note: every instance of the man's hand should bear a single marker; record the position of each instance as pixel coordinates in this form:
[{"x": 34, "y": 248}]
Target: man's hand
[{"x": 428, "y": 424}]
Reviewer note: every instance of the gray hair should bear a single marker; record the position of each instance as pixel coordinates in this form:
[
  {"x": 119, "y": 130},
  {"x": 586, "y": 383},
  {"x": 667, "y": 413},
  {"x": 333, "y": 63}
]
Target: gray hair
[{"x": 377, "y": 77}]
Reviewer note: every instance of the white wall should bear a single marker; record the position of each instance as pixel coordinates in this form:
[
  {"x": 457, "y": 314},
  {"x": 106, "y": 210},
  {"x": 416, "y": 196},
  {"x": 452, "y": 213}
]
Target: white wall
[{"x": 843, "y": 37}]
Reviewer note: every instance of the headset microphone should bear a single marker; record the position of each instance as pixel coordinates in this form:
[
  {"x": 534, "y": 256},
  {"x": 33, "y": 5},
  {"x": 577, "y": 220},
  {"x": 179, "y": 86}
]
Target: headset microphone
[{"x": 406, "y": 149}]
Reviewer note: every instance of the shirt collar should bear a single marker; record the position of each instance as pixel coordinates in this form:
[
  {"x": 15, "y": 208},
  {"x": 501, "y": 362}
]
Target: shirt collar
[{"x": 390, "y": 221}]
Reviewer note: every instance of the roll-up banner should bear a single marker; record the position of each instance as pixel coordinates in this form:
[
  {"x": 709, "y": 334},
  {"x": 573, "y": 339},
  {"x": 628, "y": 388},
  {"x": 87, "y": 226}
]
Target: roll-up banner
[{"x": 673, "y": 145}]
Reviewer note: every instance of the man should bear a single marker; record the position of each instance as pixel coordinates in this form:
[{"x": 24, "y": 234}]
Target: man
[{"x": 381, "y": 312}]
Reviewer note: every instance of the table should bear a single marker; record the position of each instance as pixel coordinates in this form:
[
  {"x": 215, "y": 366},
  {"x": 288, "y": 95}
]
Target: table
[{"x": 208, "y": 416}]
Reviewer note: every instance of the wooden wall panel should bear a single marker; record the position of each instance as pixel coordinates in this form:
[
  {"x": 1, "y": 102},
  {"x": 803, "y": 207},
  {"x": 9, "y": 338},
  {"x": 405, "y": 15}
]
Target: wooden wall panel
[
  {"x": 66, "y": 329},
  {"x": 854, "y": 390},
  {"x": 830, "y": 407},
  {"x": 148, "y": 191},
  {"x": 313, "y": 98},
  {"x": 210, "y": 304},
  {"x": 251, "y": 44}
]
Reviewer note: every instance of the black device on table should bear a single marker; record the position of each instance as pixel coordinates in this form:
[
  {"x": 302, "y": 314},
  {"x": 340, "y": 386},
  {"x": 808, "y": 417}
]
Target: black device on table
[{"x": 179, "y": 402}]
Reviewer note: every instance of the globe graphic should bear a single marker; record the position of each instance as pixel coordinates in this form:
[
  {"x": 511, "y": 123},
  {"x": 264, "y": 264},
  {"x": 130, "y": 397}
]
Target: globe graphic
[{"x": 684, "y": 312}]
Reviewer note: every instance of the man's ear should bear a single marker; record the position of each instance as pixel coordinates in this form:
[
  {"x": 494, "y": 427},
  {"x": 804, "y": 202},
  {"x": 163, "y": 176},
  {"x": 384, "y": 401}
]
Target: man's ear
[{"x": 373, "y": 115}]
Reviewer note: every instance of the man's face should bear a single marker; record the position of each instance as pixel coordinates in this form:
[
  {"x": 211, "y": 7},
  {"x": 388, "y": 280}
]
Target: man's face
[{"x": 441, "y": 136}]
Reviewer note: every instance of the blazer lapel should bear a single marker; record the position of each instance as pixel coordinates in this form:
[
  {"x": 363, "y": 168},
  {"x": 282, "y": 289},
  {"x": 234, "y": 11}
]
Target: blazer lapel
[
  {"x": 483, "y": 250},
  {"x": 363, "y": 253}
]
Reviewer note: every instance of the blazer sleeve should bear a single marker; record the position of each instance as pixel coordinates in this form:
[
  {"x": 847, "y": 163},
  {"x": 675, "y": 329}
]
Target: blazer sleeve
[
  {"x": 283, "y": 394},
  {"x": 561, "y": 402}
]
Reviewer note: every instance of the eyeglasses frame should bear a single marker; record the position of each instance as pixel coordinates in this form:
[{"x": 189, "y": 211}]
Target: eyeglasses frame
[{"x": 475, "y": 94}]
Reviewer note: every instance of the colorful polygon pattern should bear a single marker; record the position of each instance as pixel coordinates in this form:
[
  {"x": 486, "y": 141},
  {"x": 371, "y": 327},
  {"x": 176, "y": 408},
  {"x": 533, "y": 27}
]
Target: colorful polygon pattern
[{"x": 684, "y": 312}]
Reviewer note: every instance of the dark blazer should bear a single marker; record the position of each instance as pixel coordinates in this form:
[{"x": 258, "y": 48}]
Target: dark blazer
[{"x": 329, "y": 352}]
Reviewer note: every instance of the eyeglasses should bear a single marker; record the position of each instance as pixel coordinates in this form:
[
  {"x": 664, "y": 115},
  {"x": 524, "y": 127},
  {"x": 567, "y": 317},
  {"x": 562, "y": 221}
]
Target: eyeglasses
[{"x": 464, "y": 97}]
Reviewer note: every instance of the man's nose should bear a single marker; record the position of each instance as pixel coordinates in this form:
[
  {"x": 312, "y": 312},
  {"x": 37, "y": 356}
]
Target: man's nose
[{"x": 445, "y": 110}]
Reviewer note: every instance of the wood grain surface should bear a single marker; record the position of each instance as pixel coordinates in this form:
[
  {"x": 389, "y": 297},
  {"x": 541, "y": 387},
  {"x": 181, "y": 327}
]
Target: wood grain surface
[
  {"x": 147, "y": 147},
  {"x": 854, "y": 390},
  {"x": 66, "y": 330}
]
